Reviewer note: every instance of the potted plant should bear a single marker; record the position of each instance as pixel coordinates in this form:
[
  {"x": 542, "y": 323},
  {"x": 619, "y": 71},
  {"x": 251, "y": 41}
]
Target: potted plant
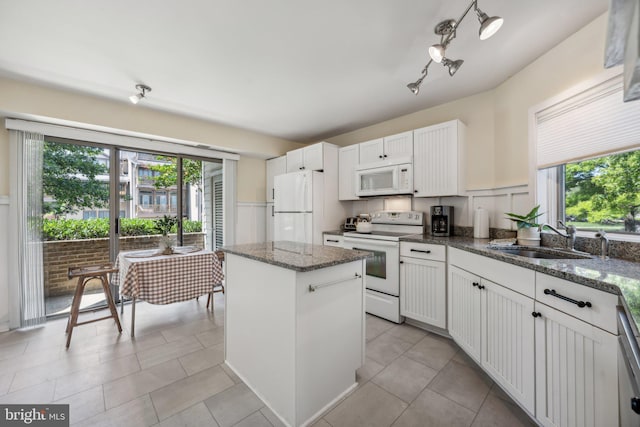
[
  {"x": 164, "y": 226},
  {"x": 528, "y": 228}
]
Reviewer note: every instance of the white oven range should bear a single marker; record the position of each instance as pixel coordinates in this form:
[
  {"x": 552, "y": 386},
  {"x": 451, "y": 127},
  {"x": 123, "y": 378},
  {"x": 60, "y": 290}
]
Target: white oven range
[{"x": 383, "y": 269}]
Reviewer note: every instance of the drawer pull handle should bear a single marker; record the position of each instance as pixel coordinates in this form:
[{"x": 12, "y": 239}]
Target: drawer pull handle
[
  {"x": 421, "y": 251},
  {"x": 334, "y": 241},
  {"x": 580, "y": 304}
]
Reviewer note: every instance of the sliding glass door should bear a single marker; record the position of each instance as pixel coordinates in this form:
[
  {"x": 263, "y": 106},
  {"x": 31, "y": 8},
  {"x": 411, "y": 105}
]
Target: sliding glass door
[
  {"x": 75, "y": 218},
  {"x": 95, "y": 206}
]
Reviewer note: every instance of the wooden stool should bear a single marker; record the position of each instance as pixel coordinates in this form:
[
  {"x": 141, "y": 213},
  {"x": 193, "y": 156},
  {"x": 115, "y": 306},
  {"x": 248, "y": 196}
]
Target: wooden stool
[
  {"x": 84, "y": 274},
  {"x": 216, "y": 288}
]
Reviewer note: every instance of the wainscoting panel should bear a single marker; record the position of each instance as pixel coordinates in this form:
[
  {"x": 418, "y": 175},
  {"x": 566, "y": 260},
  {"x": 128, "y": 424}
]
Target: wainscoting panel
[{"x": 251, "y": 225}]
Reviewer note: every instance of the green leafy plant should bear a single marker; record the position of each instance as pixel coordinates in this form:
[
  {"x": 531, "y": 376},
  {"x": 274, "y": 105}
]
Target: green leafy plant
[
  {"x": 97, "y": 228},
  {"x": 165, "y": 224},
  {"x": 526, "y": 221}
]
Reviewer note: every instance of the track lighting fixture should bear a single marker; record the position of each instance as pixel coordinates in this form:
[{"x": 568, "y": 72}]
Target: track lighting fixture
[
  {"x": 142, "y": 91},
  {"x": 447, "y": 32},
  {"x": 415, "y": 86},
  {"x": 452, "y": 65}
]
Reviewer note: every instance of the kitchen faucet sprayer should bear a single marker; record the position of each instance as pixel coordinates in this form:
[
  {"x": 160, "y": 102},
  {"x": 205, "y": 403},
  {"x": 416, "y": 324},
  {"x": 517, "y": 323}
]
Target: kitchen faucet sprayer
[{"x": 604, "y": 244}]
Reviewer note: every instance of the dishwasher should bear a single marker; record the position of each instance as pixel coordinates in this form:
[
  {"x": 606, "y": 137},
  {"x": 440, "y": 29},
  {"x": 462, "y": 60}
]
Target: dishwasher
[{"x": 628, "y": 372}]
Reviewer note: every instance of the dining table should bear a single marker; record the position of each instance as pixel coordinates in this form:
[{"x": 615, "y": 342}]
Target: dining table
[{"x": 150, "y": 276}]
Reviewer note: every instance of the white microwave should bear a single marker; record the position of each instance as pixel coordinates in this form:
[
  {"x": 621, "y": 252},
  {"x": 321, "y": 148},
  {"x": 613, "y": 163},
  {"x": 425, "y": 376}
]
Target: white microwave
[{"x": 385, "y": 179}]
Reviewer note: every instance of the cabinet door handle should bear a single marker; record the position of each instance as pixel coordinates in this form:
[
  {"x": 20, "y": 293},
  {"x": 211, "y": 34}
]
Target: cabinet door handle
[
  {"x": 401, "y": 262},
  {"x": 273, "y": 213},
  {"x": 415, "y": 191},
  {"x": 536, "y": 314},
  {"x": 385, "y": 156},
  {"x": 475, "y": 284},
  {"x": 580, "y": 304},
  {"x": 421, "y": 251},
  {"x": 480, "y": 287},
  {"x": 380, "y": 156},
  {"x": 273, "y": 193}
]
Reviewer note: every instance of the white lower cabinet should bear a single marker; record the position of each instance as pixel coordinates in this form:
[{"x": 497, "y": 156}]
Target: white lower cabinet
[
  {"x": 576, "y": 365},
  {"x": 464, "y": 311},
  {"x": 558, "y": 361},
  {"x": 423, "y": 291},
  {"x": 507, "y": 341},
  {"x": 494, "y": 325}
]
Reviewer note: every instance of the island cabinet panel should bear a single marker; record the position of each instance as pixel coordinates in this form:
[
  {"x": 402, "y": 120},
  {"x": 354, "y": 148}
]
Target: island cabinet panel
[
  {"x": 576, "y": 371},
  {"x": 260, "y": 328},
  {"x": 329, "y": 335},
  {"x": 296, "y": 338}
]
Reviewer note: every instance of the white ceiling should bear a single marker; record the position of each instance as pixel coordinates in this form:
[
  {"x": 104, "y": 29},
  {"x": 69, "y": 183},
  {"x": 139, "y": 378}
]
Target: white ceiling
[{"x": 298, "y": 69}]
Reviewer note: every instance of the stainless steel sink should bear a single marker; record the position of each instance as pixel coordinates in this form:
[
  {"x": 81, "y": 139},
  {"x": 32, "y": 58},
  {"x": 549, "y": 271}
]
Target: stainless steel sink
[{"x": 540, "y": 253}]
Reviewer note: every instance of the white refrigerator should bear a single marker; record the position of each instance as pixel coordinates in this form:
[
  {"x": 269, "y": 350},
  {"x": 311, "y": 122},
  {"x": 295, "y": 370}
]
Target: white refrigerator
[{"x": 299, "y": 207}]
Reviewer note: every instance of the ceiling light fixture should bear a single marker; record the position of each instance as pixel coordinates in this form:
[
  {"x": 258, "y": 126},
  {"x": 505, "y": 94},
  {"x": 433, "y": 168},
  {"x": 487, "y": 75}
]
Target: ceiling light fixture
[
  {"x": 447, "y": 32},
  {"x": 142, "y": 91}
]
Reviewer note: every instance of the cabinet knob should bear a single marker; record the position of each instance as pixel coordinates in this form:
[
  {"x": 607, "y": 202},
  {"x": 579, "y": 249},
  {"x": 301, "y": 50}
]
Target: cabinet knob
[
  {"x": 480, "y": 287},
  {"x": 415, "y": 191},
  {"x": 536, "y": 314},
  {"x": 475, "y": 284},
  {"x": 401, "y": 262},
  {"x": 380, "y": 156},
  {"x": 385, "y": 156}
]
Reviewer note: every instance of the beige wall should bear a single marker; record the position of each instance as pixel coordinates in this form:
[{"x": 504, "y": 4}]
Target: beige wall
[
  {"x": 472, "y": 111},
  {"x": 24, "y": 98},
  {"x": 251, "y": 180},
  {"x": 497, "y": 120}
]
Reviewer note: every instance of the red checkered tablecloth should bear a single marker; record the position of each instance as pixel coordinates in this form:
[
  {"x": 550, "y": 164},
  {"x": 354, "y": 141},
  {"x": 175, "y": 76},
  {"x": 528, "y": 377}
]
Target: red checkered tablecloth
[{"x": 167, "y": 279}]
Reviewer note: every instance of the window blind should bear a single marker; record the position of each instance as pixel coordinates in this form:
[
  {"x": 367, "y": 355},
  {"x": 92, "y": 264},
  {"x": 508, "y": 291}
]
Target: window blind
[{"x": 591, "y": 123}]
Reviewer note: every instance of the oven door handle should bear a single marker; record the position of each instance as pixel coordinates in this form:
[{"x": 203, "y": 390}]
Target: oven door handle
[{"x": 371, "y": 243}]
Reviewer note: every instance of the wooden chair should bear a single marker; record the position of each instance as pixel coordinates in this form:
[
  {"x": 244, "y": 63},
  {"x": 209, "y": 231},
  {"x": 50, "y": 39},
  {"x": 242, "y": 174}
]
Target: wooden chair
[
  {"x": 218, "y": 287},
  {"x": 84, "y": 274}
]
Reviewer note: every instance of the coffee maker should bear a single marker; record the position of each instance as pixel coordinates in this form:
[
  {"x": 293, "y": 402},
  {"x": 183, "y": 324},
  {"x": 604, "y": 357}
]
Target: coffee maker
[{"x": 441, "y": 220}]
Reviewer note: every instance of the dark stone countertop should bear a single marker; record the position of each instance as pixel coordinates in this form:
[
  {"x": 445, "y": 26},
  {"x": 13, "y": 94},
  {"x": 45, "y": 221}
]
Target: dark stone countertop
[
  {"x": 296, "y": 256},
  {"x": 612, "y": 275}
]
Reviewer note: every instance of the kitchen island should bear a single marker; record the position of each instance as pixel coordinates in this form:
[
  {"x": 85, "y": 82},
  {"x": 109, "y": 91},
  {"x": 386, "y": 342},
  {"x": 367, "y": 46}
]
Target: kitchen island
[{"x": 294, "y": 324}]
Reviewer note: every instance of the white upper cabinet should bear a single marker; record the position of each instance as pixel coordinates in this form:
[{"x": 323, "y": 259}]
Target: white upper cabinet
[
  {"x": 275, "y": 167},
  {"x": 438, "y": 162},
  {"x": 307, "y": 158},
  {"x": 387, "y": 148},
  {"x": 347, "y": 162},
  {"x": 398, "y": 146},
  {"x": 371, "y": 151}
]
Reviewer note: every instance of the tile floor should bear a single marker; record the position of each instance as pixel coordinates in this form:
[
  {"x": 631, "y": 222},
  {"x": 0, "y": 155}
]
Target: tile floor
[{"x": 173, "y": 374}]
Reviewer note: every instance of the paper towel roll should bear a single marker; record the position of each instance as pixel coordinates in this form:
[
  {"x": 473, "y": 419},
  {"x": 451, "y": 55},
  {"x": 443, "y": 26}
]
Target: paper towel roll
[{"x": 481, "y": 224}]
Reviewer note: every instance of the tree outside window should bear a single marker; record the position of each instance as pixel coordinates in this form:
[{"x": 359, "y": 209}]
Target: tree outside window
[{"x": 604, "y": 193}]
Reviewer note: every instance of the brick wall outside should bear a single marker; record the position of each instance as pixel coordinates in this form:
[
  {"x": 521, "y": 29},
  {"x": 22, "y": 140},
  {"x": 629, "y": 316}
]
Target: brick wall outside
[{"x": 58, "y": 256}]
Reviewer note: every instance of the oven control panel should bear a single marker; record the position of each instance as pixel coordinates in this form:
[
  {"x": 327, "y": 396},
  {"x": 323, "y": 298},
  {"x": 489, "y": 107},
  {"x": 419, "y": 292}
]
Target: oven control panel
[{"x": 398, "y": 217}]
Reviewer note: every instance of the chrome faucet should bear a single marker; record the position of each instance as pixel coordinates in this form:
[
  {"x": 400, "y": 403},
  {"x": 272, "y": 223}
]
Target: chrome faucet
[
  {"x": 569, "y": 234},
  {"x": 604, "y": 244}
]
